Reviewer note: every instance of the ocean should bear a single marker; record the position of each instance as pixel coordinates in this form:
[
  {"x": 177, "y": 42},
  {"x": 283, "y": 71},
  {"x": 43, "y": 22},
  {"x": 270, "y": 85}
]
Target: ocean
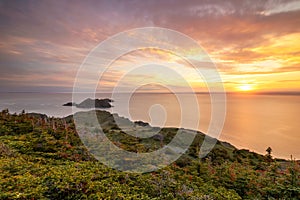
[{"x": 253, "y": 122}]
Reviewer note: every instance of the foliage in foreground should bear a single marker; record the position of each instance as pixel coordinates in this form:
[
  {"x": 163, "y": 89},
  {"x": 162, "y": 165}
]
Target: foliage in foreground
[{"x": 43, "y": 158}]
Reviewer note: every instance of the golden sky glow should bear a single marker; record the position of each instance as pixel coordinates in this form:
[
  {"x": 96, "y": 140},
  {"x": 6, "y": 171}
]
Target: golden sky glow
[{"x": 256, "y": 46}]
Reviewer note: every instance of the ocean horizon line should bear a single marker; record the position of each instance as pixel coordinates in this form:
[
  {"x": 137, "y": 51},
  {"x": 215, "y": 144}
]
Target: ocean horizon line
[{"x": 244, "y": 93}]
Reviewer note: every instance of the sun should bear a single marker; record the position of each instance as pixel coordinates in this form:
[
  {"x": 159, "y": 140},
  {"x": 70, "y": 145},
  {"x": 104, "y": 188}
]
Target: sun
[{"x": 245, "y": 87}]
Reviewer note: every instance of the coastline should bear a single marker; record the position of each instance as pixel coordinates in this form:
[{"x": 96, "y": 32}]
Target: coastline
[
  {"x": 253, "y": 121},
  {"x": 223, "y": 142}
]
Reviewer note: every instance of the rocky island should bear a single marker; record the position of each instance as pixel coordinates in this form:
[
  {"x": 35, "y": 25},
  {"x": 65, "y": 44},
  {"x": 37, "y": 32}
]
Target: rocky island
[{"x": 92, "y": 103}]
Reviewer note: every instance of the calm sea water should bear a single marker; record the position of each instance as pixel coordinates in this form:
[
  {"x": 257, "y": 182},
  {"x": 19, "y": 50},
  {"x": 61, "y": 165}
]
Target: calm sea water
[{"x": 252, "y": 121}]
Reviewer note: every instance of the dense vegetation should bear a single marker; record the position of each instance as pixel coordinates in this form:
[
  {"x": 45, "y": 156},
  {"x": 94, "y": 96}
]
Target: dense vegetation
[{"x": 43, "y": 158}]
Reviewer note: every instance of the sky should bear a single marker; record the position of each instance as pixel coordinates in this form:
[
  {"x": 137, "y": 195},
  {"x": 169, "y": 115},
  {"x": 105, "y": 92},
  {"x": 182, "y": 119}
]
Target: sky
[{"x": 255, "y": 45}]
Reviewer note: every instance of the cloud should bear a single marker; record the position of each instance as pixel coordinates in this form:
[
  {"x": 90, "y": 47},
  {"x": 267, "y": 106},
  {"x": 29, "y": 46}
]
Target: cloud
[
  {"x": 282, "y": 7},
  {"x": 48, "y": 38}
]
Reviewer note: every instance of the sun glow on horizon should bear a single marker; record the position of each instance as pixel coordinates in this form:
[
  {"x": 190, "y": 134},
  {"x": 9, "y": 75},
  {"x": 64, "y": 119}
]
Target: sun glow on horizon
[{"x": 245, "y": 87}]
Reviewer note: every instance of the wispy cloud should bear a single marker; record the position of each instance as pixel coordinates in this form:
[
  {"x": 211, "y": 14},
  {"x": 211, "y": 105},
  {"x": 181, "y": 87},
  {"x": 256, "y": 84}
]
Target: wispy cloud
[{"x": 43, "y": 43}]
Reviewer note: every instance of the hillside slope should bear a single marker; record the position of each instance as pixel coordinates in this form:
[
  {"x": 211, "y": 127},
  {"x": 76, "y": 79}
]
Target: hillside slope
[{"x": 44, "y": 158}]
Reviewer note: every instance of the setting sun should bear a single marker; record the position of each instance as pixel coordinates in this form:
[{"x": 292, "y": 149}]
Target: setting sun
[{"x": 245, "y": 87}]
